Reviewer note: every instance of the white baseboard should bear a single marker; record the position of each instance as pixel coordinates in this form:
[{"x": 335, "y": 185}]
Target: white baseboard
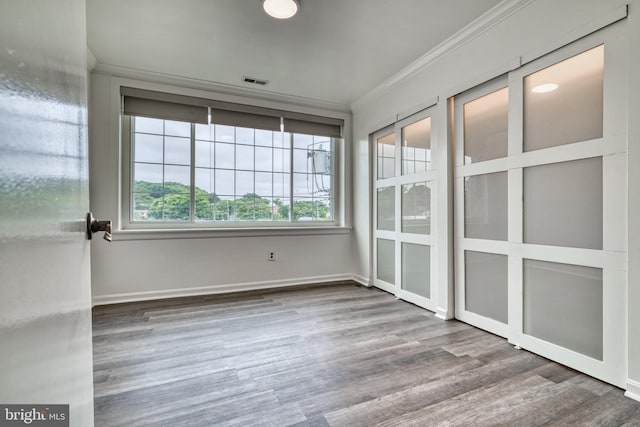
[
  {"x": 633, "y": 390},
  {"x": 443, "y": 314},
  {"x": 364, "y": 281},
  {"x": 218, "y": 289}
]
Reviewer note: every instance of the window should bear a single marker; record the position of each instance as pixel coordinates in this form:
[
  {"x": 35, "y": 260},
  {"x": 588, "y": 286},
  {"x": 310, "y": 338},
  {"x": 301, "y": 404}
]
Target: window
[{"x": 242, "y": 169}]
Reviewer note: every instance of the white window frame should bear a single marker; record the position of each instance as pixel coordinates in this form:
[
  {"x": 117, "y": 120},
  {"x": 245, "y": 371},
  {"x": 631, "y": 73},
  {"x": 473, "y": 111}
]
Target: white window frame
[{"x": 126, "y": 229}]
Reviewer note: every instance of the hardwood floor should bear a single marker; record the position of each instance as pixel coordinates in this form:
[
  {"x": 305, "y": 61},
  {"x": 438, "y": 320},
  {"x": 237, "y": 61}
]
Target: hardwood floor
[{"x": 338, "y": 355}]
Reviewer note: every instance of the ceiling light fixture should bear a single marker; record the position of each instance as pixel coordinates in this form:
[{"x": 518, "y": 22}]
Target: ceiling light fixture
[
  {"x": 544, "y": 88},
  {"x": 281, "y": 9}
]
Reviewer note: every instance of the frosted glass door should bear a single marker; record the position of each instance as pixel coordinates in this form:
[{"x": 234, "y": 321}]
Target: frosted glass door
[
  {"x": 482, "y": 196},
  {"x": 540, "y": 215},
  {"x": 572, "y": 250},
  {"x": 405, "y": 183}
]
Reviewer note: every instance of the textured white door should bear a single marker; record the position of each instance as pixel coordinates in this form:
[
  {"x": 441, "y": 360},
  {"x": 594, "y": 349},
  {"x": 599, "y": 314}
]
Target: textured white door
[{"x": 45, "y": 289}]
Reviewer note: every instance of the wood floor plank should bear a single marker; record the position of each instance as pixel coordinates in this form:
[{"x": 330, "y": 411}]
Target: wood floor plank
[{"x": 326, "y": 355}]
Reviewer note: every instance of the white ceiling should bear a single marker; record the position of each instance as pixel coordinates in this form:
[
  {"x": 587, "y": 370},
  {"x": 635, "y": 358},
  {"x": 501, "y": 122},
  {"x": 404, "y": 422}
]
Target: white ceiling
[{"x": 332, "y": 51}]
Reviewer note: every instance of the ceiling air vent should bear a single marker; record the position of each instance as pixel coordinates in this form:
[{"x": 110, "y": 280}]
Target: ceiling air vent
[{"x": 255, "y": 81}]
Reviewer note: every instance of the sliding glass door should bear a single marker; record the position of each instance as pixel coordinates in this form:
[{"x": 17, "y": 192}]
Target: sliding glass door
[
  {"x": 403, "y": 206},
  {"x": 540, "y": 206}
]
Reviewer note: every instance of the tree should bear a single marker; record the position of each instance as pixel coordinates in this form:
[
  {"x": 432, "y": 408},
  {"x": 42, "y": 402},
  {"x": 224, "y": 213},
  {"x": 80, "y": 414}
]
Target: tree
[
  {"x": 172, "y": 201},
  {"x": 172, "y": 206},
  {"x": 281, "y": 211},
  {"x": 252, "y": 207},
  {"x": 145, "y": 193},
  {"x": 204, "y": 208},
  {"x": 305, "y": 209},
  {"x": 222, "y": 209},
  {"x": 310, "y": 209}
]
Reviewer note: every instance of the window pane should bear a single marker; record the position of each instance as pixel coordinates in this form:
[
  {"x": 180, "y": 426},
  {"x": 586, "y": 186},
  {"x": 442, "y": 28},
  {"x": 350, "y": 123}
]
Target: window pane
[
  {"x": 563, "y": 204},
  {"x": 309, "y": 209},
  {"x": 279, "y": 209},
  {"x": 302, "y": 141},
  {"x": 244, "y": 157},
  {"x": 486, "y": 285},
  {"x": 264, "y": 137},
  {"x": 416, "y": 208},
  {"x": 282, "y": 139},
  {"x": 224, "y": 133},
  {"x": 301, "y": 161},
  {"x": 144, "y": 175},
  {"x": 204, "y": 206},
  {"x": 264, "y": 159},
  {"x": 175, "y": 207},
  {"x": 244, "y": 183},
  {"x": 204, "y": 154},
  {"x": 252, "y": 208},
  {"x": 223, "y": 209},
  {"x": 385, "y": 257},
  {"x": 564, "y": 102},
  {"x": 281, "y": 185},
  {"x": 148, "y": 148},
  {"x": 320, "y": 184},
  {"x": 416, "y": 147},
  {"x": 177, "y": 174},
  {"x": 225, "y": 182},
  {"x": 177, "y": 128},
  {"x": 224, "y": 156},
  {"x": 386, "y": 209},
  {"x": 177, "y": 151},
  {"x": 323, "y": 209},
  {"x": 302, "y": 185},
  {"x": 319, "y": 158},
  {"x": 204, "y": 132},
  {"x": 141, "y": 204},
  {"x": 264, "y": 184},
  {"x": 386, "y": 156},
  {"x": 563, "y": 305},
  {"x": 204, "y": 180},
  {"x": 281, "y": 160},
  {"x": 416, "y": 269},
  {"x": 485, "y": 127},
  {"x": 244, "y": 136},
  {"x": 485, "y": 206},
  {"x": 145, "y": 125}
]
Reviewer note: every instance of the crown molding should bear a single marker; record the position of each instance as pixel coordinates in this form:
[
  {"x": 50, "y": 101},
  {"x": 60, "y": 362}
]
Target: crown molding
[
  {"x": 191, "y": 83},
  {"x": 91, "y": 60},
  {"x": 483, "y": 23}
]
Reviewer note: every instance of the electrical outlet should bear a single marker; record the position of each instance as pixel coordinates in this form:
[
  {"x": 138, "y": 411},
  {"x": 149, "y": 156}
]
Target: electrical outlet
[{"x": 271, "y": 256}]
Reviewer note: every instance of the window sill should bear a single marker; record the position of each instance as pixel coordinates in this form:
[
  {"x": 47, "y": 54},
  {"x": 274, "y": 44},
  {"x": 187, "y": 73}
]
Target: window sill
[{"x": 202, "y": 233}]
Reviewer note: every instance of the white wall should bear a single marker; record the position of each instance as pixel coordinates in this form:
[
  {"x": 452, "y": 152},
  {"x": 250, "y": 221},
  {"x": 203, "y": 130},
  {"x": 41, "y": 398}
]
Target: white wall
[
  {"x": 541, "y": 25},
  {"x": 138, "y": 269}
]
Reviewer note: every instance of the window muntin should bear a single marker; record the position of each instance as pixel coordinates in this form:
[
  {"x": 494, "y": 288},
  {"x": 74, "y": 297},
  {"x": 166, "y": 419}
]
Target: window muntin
[{"x": 215, "y": 174}]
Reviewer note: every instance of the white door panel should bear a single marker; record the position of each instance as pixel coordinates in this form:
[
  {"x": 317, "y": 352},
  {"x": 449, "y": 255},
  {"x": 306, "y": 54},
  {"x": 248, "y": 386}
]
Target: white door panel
[{"x": 45, "y": 291}]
